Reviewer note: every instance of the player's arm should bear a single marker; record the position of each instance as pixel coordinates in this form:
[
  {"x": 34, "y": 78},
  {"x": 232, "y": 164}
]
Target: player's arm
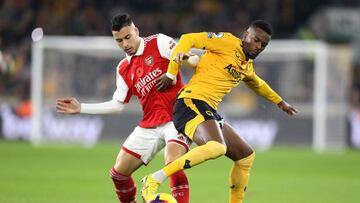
[
  {"x": 181, "y": 52},
  {"x": 73, "y": 106},
  {"x": 121, "y": 96},
  {"x": 259, "y": 86},
  {"x": 166, "y": 46}
]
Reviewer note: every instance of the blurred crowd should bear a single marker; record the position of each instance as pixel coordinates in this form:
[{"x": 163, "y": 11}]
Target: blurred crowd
[{"x": 90, "y": 17}]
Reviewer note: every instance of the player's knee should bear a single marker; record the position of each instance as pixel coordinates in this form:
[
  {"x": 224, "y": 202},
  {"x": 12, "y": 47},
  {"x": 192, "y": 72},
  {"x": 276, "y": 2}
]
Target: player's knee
[
  {"x": 173, "y": 151},
  {"x": 216, "y": 149},
  {"x": 247, "y": 161},
  {"x": 117, "y": 176}
]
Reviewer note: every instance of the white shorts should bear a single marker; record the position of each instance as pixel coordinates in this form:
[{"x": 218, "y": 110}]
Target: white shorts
[{"x": 145, "y": 143}]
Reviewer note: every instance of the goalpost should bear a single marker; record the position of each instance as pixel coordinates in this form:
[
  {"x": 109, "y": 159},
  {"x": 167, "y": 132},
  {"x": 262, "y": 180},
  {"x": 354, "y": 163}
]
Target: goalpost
[
  {"x": 320, "y": 116},
  {"x": 319, "y": 50}
]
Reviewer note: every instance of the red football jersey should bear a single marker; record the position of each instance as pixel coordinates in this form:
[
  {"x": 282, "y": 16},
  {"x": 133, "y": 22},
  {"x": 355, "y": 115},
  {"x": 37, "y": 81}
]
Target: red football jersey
[{"x": 136, "y": 75}]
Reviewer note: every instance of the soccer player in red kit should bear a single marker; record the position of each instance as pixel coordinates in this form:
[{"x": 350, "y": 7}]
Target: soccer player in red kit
[{"x": 146, "y": 60}]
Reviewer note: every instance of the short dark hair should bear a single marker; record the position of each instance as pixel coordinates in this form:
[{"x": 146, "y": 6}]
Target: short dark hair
[
  {"x": 262, "y": 24},
  {"x": 119, "y": 21}
]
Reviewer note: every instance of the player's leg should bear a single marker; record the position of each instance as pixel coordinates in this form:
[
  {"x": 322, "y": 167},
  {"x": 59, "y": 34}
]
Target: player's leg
[
  {"x": 126, "y": 164},
  {"x": 177, "y": 145},
  {"x": 196, "y": 119},
  {"x": 211, "y": 145},
  {"x": 199, "y": 124},
  {"x": 138, "y": 149},
  {"x": 179, "y": 184},
  {"x": 243, "y": 156}
]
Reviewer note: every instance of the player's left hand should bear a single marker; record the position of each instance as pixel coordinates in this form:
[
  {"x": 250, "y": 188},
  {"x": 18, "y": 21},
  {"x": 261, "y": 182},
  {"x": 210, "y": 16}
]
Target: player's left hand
[
  {"x": 163, "y": 82},
  {"x": 287, "y": 108}
]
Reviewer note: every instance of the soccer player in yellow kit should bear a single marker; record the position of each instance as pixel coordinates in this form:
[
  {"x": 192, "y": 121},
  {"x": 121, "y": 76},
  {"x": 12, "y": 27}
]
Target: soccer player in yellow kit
[{"x": 227, "y": 61}]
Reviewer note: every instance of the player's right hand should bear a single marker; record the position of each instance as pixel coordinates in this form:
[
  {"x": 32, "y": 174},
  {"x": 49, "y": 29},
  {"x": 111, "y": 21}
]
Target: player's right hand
[
  {"x": 163, "y": 82},
  {"x": 68, "y": 105},
  {"x": 182, "y": 56}
]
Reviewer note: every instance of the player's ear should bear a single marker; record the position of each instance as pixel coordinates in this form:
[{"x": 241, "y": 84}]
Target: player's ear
[
  {"x": 244, "y": 35},
  {"x": 136, "y": 31}
]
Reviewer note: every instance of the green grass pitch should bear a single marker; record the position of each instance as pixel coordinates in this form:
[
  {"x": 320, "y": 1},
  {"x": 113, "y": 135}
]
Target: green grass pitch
[{"x": 71, "y": 174}]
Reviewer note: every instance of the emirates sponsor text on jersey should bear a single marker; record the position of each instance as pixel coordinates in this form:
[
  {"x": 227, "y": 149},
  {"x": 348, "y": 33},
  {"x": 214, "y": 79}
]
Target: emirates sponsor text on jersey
[{"x": 144, "y": 85}]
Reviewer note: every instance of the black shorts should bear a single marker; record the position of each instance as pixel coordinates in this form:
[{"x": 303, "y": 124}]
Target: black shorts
[{"x": 189, "y": 113}]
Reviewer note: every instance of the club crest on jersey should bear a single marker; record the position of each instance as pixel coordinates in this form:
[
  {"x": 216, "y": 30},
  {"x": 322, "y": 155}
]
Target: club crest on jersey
[
  {"x": 149, "y": 60},
  {"x": 139, "y": 71},
  {"x": 216, "y": 35}
]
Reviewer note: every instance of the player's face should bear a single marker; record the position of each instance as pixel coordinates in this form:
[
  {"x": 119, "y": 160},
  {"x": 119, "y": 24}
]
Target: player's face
[
  {"x": 127, "y": 39},
  {"x": 254, "y": 42}
]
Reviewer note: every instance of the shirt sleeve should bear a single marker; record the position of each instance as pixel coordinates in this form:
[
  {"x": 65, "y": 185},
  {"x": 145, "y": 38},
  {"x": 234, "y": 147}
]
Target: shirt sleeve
[
  {"x": 259, "y": 86},
  {"x": 166, "y": 45},
  {"x": 112, "y": 106},
  {"x": 122, "y": 92},
  {"x": 203, "y": 40}
]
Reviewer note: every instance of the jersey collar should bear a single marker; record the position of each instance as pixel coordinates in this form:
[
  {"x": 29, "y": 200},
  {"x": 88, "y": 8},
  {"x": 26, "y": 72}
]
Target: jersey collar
[{"x": 140, "y": 50}]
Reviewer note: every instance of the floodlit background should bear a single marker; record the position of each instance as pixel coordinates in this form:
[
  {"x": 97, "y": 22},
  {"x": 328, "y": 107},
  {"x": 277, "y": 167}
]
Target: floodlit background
[{"x": 51, "y": 49}]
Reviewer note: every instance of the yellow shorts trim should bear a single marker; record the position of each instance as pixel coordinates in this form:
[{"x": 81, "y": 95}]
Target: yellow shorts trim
[{"x": 191, "y": 125}]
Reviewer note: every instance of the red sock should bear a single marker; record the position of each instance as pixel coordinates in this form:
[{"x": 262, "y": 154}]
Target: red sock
[
  {"x": 125, "y": 187},
  {"x": 180, "y": 187}
]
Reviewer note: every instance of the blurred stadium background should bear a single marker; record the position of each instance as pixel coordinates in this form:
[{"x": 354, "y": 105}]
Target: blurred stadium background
[{"x": 313, "y": 62}]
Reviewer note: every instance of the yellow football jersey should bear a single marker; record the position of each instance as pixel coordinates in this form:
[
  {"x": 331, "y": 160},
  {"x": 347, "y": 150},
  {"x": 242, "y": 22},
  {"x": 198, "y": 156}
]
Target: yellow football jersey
[{"x": 222, "y": 67}]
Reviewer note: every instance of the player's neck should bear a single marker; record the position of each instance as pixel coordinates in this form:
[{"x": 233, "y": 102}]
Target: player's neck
[
  {"x": 138, "y": 41},
  {"x": 243, "y": 50},
  {"x": 247, "y": 58}
]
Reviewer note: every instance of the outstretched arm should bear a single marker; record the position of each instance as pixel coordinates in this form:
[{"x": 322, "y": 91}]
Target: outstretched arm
[
  {"x": 263, "y": 89},
  {"x": 181, "y": 52},
  {"x": 73, "y": 106}
]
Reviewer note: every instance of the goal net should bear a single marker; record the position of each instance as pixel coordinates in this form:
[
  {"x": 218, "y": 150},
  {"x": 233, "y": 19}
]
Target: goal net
[{"x": 307, "y": 74}]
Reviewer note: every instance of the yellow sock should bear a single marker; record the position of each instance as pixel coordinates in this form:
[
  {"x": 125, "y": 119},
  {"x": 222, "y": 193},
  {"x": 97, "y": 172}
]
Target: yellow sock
[
  {"x": 195, "y": 156},
  {"x": 239, "y": 177}
]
